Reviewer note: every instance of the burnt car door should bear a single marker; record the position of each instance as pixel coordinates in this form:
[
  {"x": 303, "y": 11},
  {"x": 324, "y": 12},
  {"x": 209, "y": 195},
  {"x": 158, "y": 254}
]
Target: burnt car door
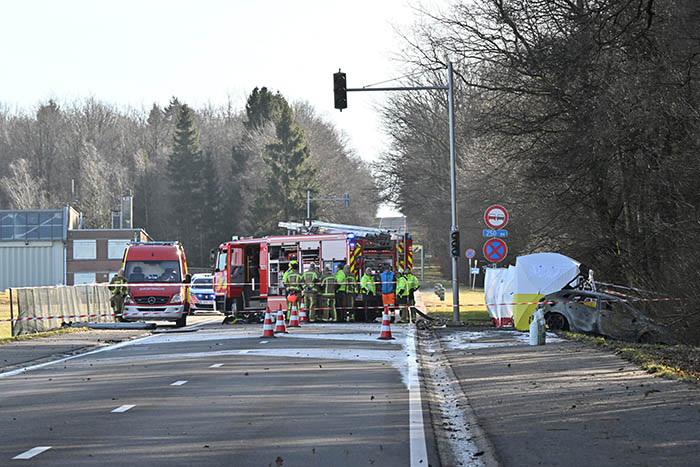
[
  {"x": 582, "y": 311},
  {"x": 618, "y": 320}
]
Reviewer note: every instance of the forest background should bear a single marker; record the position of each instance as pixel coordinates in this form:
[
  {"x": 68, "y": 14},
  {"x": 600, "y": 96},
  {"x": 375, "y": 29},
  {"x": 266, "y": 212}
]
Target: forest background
[{"x": 581, "y": 116}]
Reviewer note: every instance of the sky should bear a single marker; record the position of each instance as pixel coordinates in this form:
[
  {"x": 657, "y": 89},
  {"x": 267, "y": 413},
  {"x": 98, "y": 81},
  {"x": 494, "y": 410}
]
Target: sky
[{"x": 134, "y": 53}]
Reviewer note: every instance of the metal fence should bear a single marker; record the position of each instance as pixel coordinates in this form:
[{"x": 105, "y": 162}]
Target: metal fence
[{"x": 41, "y": 309}]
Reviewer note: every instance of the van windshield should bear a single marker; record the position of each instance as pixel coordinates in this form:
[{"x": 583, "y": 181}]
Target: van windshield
[{"x": 152, "y": 271}]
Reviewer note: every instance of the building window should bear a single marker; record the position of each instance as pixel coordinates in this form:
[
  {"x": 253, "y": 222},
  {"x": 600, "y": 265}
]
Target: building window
[
  {"x": 83, "y": 278},
  {"x": 31, "y": 225},
  {"x": 84, "y": 249},
  {"x": 115, "y": 248}
]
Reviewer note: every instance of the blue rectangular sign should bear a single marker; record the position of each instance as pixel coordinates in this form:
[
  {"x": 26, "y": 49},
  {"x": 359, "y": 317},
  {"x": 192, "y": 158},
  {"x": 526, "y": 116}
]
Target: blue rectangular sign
[{"x": 495, "y": 233}]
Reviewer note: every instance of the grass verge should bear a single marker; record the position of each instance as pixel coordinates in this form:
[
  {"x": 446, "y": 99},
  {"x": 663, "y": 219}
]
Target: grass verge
[
  {"x": 471, "y": 315},
  {"x": 678, "y": 362}
]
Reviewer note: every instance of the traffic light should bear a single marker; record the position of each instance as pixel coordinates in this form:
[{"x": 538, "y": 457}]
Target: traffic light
[
  {"x": 340, "y": 91},
  {"x": 454, "y": 243}
]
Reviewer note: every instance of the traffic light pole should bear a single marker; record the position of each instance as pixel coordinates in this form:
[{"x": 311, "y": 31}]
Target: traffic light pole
[
  {"x": 345, "y": 199},
  {"x": 455, "y": 271},
  {"x": 450, "y": 102}
]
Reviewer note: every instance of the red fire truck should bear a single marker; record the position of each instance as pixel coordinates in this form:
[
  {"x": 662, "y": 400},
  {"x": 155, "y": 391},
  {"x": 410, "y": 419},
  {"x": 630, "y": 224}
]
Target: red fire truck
[{"x": 248, "y": 271}]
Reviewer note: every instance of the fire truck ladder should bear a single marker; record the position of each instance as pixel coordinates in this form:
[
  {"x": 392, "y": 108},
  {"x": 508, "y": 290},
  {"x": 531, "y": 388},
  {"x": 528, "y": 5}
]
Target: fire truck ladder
[{"x": 326, "y": 227}]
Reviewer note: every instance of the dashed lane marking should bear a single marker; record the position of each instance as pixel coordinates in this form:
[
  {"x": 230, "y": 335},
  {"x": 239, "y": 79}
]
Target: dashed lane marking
[
  {"x": 217, "y": 365},
  {"x": 178, "y": 383},
  {"x": 123, "y": 408},
  {"x": 264, "y": 342},
  {"x": 32, "y": 452}
]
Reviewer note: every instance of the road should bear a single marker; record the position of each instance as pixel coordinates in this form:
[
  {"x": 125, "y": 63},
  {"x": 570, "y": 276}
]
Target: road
[{"x": 221, "y": 395}]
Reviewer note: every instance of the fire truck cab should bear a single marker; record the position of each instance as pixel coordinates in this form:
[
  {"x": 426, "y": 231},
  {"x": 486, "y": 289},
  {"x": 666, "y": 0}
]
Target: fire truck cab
[{"x": 248, "y": 271}]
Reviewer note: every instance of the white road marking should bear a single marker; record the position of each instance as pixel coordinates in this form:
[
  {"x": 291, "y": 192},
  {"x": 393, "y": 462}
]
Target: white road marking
[
  {"x": 65, "y": 359},
  {"x": 178, "y": 383},
  {"x": 263, "y": 342},
  {"x": 136, "y": 341},
  {"x": 217, "y": 365},
  {"x": 416, "y": 431},
  {"x": 32, "y": 452},
  {"x": 123, "y": 408}
]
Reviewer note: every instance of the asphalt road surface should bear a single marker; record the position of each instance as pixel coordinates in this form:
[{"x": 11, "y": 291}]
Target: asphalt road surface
[{"x": 221, "y": 395}]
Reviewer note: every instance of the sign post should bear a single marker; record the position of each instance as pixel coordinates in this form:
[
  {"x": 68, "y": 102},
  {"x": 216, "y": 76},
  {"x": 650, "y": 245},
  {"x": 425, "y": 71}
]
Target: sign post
[
  {"x": 495, "y": 248},
  {"x": 470, "y": 253}
]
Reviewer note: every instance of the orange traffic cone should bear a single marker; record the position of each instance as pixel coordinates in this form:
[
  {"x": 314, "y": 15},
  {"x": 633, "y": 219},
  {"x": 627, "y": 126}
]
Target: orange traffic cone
[
  {"x": 385, "y": 333},
  {"x": 280, "y": 326},
  {"x": 267, "y": 326},
  {"x": 293, "y": 317},
  {"x": 302, "y": 314}
]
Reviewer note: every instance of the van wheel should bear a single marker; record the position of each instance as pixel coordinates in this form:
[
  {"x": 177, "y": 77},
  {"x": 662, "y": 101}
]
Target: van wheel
[{"x": 182, "y": 321}]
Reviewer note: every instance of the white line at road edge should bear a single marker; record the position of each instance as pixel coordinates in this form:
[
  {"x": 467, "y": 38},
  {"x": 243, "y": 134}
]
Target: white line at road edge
[
  {"x": 416, "y": 431},
  {"x": 101, "y": 349},
  {"x": 123, "y": 408},
  {"x": 32, "y": 452}
]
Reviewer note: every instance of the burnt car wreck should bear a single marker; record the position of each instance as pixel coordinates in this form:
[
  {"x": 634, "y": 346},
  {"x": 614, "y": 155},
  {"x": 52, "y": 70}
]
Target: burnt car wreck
[{"x": 600, "y": 314}]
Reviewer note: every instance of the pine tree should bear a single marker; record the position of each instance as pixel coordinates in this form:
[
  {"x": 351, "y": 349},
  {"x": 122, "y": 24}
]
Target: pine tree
[
  {"x": 234, "y": 219},
  {"x": 289, "y": 176},
  {"x": 186, "y": 179}
]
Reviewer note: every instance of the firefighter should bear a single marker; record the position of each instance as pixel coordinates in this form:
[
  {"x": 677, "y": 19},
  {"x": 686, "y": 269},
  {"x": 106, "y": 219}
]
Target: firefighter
[
  {"x": 351, "y": 289},
  {"x": 340, "y": 291},
  {"x": 291, "y": 280},
  {"x": 311, "y": 279},
  {"x": 402, "y": 294},
  {"x": 413, "y": 285},
  {"x": 327, "y": 292},
  {"x": 388, "y": 286},
  {"x": 119, "y": 293},
  {"x": 369, "y": 292}
]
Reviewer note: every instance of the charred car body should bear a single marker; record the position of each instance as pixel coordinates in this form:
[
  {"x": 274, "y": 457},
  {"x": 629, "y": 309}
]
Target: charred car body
[{"x": 600, "y": 314}]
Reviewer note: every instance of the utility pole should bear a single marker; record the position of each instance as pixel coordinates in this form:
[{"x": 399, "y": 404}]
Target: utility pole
[{"x": 340, "y": 91}]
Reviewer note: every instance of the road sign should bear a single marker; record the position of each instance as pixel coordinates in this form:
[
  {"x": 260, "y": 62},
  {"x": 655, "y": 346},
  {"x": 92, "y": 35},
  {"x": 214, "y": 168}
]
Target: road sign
[
  {"x": 495, "y": 233},
  {"x": 496, "y": 217},
  {"x": 470, "y": 253},
  {"x": 495, "y": 250},
  {"x": 475, "y": 270}
]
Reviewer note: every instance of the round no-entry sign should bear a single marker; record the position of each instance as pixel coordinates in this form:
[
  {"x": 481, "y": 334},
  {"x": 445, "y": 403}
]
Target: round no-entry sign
[
  {"x": 496, "y": 217},
  {"x": 495, "y": 250},
  {"x": 470, "y": 253}
]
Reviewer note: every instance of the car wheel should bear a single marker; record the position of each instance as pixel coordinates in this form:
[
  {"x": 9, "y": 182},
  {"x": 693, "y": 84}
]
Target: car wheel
[
  {"x": 557, "y": 322},
  {"x": 182, "y": 321}
]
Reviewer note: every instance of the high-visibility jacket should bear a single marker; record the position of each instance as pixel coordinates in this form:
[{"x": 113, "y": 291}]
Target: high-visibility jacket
[
  {"x": 340, "y": 280},
  {"x": 327, "y": 286},
  {"x": 292, "y": 281},
  {"x": 311, "y": 280},
  {"x": 367, "y": 285},
  {"x": 413, "y": 283},
  {"x": 351, "y": 284},
  {"x": 402, "y": 287},
  {"x": 119, "y": 290}
]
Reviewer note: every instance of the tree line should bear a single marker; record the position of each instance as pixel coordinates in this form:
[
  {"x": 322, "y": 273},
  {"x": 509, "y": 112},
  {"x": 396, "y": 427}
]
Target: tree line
[
  {"x": 196, "y": 175},
  {"x": 581, "y": 117}
]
